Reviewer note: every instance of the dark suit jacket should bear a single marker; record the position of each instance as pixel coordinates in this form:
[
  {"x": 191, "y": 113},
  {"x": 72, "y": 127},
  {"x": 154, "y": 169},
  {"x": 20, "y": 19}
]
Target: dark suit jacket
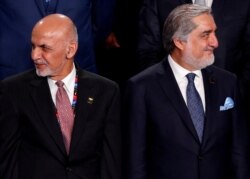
[
  {"x": 17, "y": 18},
  {"x": 163, "y": 143},
  {"x": 232, "y": 18},
  {"x": 31, "y": 144}
]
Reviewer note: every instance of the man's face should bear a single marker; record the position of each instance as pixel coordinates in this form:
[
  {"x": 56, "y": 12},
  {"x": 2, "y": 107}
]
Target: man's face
[
  {"x": 201, "y": 42},
  {"x": 48, "y": 52}
]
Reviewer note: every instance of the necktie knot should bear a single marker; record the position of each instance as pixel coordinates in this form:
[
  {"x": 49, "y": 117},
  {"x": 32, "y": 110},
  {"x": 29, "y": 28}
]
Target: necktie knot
[
  {"x": 59, "y": 84},
  {"x": 190, "y": 77}
]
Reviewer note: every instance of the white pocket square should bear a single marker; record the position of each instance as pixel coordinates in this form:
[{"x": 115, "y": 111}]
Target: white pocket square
[{"x": 229, "y": 103}]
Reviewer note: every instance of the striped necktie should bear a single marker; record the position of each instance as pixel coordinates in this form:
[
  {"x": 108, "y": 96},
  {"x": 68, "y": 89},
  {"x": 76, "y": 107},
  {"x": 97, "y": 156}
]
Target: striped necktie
[{"x": 65, "y": 114}]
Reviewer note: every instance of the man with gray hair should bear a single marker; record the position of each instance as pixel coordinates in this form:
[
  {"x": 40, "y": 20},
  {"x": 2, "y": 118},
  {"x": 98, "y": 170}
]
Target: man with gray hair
[{"x": 185, "y": 116}]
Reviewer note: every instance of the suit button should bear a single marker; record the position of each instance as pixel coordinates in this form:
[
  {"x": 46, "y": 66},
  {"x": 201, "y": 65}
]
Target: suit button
[{"x": 200, "y": 157}]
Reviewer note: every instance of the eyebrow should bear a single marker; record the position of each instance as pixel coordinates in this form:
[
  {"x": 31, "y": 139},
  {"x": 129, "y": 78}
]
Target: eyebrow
[
  {"x": 208, "y": 31},
  {"x": 42, "y": 46}
]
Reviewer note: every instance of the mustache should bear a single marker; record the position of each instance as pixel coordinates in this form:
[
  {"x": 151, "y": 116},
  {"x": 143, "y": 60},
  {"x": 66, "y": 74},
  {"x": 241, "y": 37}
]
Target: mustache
[
  {"x": 40, "y": 62},
  {"x": 210, "y": 48}
]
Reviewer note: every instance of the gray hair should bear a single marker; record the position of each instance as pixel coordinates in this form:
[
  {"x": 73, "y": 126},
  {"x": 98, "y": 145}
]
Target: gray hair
[
  {"x": 75, "y": 33},
  {"x": 179, "y": 23}
]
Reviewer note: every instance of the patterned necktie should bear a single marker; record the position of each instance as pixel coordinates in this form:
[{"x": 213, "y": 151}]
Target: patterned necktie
[
  {"x": 65, "y": 114},
  {"x": 200, "y": 2},
  {"x": 195, "y": 106}
]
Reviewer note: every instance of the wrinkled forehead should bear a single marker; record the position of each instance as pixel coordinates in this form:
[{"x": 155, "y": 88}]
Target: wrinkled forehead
[
  {"x": 45, "y": 31},
  {"x": 49, "y": 38}
]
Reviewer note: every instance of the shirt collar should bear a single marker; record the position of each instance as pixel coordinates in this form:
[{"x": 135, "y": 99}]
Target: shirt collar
[
  {"x": 68, "y": 81},
  {"x": 179, "y": 71}
]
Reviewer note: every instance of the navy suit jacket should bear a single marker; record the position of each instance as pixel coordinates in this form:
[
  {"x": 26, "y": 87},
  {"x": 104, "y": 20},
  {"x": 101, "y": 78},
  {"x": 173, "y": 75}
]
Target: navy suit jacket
[
  {"x": 93, "y": 19},
  {"x": 163, "y": 143},
  {"x": 31, "y": 144},
  {"x": 232, "y": 18}
]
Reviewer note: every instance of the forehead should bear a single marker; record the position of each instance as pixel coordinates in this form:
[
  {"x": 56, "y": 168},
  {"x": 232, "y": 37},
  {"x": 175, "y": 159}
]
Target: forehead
[
  {"x": 45, "y": 36},
  {"x": 205, "y": 22}
]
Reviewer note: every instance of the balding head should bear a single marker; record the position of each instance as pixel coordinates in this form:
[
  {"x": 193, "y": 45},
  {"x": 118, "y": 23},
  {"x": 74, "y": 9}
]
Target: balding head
[
  {"x": 56, "y": 25},
  {"x": 54, "y": 44}
]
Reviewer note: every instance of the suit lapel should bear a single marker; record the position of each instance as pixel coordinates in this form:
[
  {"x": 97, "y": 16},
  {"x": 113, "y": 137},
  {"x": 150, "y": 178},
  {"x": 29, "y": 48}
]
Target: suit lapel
[
  {"x": 83, "y": 107},
  {"x": 211, "y": 93},
  {"x": 171, "y": 88},
  {"x": 43, "y": 102}
]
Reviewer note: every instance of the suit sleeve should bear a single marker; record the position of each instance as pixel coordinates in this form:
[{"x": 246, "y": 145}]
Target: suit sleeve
[
  {"x": 150, "y": 48},
  {"x": 135, "y": 113},
  {"x": 111, "y": 158},
  {"x": 9, "y": 135}
]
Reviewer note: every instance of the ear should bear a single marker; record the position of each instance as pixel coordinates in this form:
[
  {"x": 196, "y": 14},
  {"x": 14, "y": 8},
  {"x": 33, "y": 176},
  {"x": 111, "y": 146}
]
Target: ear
[
  {"x": 71, "y": 50},
  {"x": 179, "y": 43}
]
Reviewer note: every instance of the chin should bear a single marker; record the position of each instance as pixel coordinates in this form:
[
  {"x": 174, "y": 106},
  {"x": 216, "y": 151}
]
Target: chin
[
  {"x": 208, "y": 61},
  {"x": 42, "y": 73}
]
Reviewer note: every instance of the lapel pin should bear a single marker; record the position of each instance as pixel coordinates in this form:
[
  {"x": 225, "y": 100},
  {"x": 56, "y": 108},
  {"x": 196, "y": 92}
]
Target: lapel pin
[{"x": 90, "y": 100}]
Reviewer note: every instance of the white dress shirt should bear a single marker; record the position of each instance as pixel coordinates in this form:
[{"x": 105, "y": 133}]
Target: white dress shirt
[
  {"x": 182, "y": 81},
  {"x": 208, "y": 2},
  {"x": 69, "y": 83}
]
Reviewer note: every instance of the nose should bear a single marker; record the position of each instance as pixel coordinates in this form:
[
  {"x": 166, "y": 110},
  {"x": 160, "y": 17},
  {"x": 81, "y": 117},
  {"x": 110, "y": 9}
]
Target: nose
[
  {"x": 35, "y": 53},
  {"x": 213, "y": 41}
]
